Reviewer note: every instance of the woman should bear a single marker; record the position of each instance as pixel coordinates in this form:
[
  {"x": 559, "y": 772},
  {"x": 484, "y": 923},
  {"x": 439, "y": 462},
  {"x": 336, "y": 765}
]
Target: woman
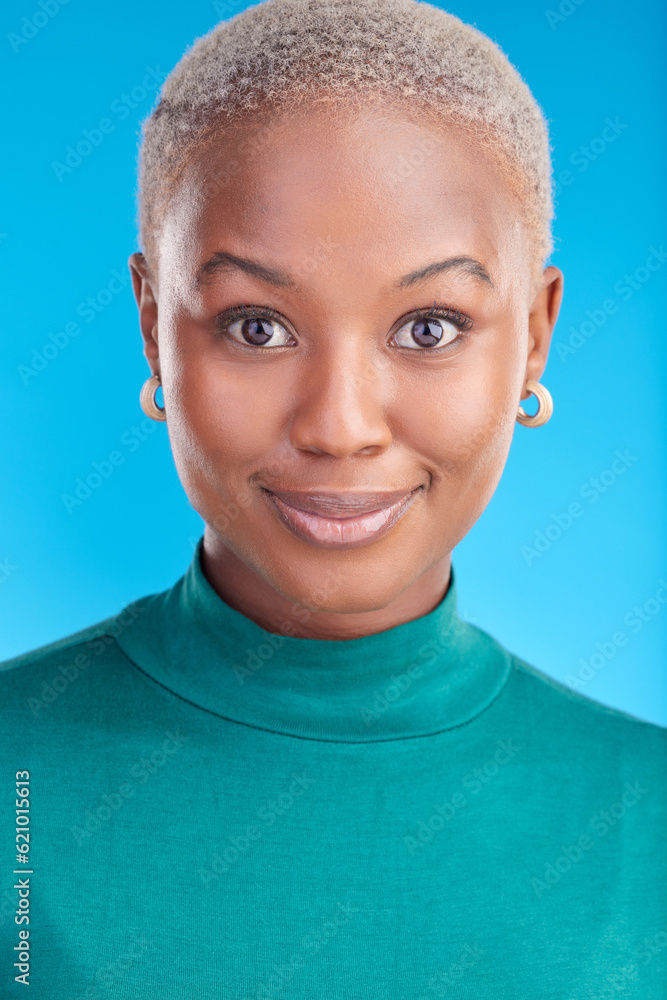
[{"x": 299, "y": 773}]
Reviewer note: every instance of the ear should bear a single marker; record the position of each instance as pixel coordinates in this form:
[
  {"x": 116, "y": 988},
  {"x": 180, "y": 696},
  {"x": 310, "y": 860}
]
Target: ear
[
  {"x": 146, "y": 296},
  {"x": 541, "y": 322}
]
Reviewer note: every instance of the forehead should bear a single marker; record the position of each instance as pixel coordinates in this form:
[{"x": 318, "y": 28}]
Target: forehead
[{"x": 373, "y": 188}]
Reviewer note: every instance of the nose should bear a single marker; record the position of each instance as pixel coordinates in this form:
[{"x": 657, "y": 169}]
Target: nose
[{"x": 341, "y": 407}]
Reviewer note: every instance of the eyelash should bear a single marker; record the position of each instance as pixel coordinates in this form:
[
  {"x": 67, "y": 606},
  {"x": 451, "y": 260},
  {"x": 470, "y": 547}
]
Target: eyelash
[
  {"x": 243, "y": 312},
  {"x": 439, "y": 310}
]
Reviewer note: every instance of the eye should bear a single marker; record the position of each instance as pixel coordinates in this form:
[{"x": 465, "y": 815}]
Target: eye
[
  {"x": 432, "y": 328},
  {"x": 254, "y": 326}
]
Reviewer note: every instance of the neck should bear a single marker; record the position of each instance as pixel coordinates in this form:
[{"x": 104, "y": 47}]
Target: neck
[{"x": 243, "y": 589}]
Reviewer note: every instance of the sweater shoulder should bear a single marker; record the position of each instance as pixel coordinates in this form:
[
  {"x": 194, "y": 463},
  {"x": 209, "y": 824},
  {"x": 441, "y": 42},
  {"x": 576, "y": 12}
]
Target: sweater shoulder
[
  {"x": 552, "y": 697},
  {"x": 54, "y": 652},
  {"x": 57, "y": 663}
]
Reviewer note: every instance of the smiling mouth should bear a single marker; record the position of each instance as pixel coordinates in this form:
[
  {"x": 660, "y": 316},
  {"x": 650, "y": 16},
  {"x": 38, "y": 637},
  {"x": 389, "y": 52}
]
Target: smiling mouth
[{"x": 340, "y": 520}]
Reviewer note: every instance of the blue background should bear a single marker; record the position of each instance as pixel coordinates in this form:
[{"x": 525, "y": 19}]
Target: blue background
[{"x": 63, "y": 238}]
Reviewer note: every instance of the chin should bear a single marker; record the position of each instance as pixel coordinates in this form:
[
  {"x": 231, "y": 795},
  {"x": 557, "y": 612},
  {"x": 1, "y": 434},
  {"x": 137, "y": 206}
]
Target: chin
[{"x": 341, "y": 585}]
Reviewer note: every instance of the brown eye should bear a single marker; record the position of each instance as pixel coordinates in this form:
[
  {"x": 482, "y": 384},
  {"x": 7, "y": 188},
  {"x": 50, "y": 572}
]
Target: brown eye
[
  {"x": 429, "y": 331},
  {"x": 259, "y": 331}
]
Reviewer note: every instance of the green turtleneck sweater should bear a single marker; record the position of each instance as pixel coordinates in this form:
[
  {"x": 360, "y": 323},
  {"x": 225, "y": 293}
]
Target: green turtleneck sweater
[{"x": 219, "y": 812}]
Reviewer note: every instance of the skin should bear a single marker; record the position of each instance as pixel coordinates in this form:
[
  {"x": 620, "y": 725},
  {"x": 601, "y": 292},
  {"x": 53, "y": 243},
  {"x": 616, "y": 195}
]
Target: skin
[{"x": 316, "y": 194}]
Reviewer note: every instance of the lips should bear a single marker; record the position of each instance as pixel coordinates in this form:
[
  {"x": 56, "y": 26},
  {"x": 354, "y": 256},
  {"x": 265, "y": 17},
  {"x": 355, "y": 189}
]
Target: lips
[{"x": 340, "y": 520}]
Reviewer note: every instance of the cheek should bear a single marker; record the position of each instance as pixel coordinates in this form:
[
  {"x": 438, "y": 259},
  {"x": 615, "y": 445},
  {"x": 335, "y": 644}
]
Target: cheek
[
  {"x": 222, "y": 419},
  {"x": 462, "y": 421},
  {"x": 465, "y": 431},
  {"x": 480, "y": 438}
]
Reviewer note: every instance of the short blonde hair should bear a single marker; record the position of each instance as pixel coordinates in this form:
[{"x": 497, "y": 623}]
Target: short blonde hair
[{"x": 279, "y": 52}]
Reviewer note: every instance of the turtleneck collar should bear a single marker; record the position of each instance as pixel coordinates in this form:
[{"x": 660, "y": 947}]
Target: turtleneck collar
[{"x": 416, "y": 679}]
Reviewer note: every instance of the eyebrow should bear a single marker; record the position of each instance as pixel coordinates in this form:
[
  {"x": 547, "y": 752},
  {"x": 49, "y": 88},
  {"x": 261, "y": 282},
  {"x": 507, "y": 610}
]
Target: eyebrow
[
  {"x": 223, "y": 261},
  {"x": 468, "y": 265}
]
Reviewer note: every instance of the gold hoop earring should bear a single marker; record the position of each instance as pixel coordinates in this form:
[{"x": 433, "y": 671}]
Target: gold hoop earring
[
  {"x": 147, "y": 399},
  {"x": 544, "y": 410}
]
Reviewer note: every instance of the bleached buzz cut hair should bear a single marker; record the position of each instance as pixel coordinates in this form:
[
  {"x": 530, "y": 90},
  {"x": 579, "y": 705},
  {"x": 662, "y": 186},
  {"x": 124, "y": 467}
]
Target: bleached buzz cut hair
[{"x": 278, "y": 53}]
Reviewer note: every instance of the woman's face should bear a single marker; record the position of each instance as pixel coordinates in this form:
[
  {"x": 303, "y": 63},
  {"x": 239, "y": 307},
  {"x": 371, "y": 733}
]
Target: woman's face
[{"x": 390, "y": 329}]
